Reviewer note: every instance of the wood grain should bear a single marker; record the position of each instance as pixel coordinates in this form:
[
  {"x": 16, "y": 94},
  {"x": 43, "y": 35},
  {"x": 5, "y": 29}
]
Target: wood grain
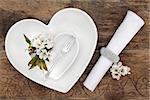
[{"x": 107, "y": 15}]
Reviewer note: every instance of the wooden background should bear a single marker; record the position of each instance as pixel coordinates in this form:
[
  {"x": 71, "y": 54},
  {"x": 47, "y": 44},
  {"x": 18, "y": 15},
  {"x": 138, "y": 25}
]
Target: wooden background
[{"x": 107, "y": 15}]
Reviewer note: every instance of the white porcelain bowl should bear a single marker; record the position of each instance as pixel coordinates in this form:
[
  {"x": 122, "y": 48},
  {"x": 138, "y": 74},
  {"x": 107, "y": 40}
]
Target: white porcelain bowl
[
  {"x": 69, "y": 20},
  {"x": 63, "y": 61}
]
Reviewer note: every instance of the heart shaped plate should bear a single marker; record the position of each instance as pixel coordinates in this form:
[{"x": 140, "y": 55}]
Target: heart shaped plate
[{"x": 69, "y": 20}]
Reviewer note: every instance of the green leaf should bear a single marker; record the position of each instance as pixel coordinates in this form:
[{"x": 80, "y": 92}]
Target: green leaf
[
  {"x": 33, "y": 62},
  {"x": 37, "y": 61},
  {"x": 44, "y": 65},
  {"x": 32, "y": 66},
  {"x": 40, "y": 64},
  {"x": 27, "y": 39}
]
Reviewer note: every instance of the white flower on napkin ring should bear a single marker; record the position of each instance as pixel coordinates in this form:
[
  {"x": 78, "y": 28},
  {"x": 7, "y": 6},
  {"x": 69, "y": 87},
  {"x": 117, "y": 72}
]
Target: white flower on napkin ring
[{"x": 40, "y": 50}]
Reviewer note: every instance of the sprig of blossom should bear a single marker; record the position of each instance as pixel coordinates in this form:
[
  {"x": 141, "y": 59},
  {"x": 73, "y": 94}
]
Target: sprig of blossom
[
  {"x": 41, "y": 50},
  {"x": 118, "y": 70}
]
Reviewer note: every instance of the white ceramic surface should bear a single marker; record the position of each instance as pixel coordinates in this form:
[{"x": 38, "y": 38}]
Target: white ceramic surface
[
  {"x": 63, "y": 61},
  {"x": 67, "y": 20}
]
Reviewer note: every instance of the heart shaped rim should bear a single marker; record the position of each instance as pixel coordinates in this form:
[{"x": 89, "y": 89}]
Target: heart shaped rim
[{"x": 67, "y": 86}]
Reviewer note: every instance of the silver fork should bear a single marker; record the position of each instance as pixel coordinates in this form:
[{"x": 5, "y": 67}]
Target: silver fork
[{"x": 66, "y": 48}]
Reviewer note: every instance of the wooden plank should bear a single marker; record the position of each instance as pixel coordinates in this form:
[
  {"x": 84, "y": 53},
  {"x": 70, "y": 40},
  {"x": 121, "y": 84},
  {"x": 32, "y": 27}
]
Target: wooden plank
[{"x": 107, "y": 15}]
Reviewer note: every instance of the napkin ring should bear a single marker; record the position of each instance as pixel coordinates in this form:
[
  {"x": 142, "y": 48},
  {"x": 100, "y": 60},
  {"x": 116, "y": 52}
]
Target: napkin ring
[{"x": 109, "y": 55}]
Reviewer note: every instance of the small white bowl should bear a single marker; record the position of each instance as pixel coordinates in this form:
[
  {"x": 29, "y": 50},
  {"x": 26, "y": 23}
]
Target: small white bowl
[{"x": 62, "y": 62}]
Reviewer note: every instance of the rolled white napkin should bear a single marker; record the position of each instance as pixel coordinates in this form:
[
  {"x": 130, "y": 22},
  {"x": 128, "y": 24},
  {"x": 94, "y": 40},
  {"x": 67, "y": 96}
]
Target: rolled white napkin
[{"x": 125, "y": 32}]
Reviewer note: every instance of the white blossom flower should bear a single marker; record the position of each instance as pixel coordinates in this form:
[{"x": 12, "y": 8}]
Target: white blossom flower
[
  {"x": 114, "y": 69},
  {"x": 124, "y": 70},
  {"x": 118, "y": 69},
  {"x": 116, "y": 75},
  {"x": 37, "y": 42},
  {"x": 43, "y": 54},
  {"x": 49, "y": 45},
  {"x": 43, "y": 42},
  {"x": 127, "y": 69},
  {"x": 40, "y": 47},
  {"x": 48, "y": 42},
  {"x": 38, "y": 51}
]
